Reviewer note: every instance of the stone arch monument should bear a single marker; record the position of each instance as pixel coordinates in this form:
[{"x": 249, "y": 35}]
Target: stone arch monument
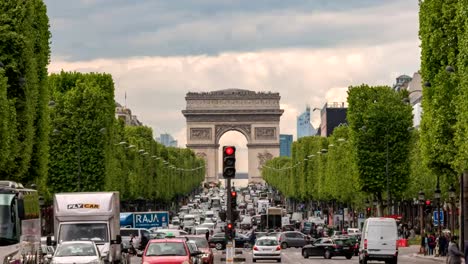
[{"x": 255, "y": 115}]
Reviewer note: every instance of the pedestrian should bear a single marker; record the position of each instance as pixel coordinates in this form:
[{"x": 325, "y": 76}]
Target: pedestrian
[
  {"x": 207, "y": 235},
  {"x": 431, "y": 243},
  {"x": 454, "y": 254},
  {"x": 424, "y": 244}
]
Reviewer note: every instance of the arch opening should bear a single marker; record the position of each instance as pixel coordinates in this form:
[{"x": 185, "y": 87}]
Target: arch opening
[{"x": 239, "y": 140}]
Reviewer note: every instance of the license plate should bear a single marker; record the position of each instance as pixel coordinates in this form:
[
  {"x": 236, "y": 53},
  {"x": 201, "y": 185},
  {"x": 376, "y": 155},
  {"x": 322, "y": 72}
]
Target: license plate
[{"x": 345, "y": 247}]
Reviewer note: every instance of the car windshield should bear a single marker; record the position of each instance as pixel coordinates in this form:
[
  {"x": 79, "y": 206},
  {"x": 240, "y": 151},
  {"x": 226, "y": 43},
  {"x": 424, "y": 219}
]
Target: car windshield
[
  {"x": 343, "y": 242},
  {"x": 267, "y": 242},
  {"x": 166, "y": 249},
  {"x": 200, "y": 241},
  {"x": 96, "y": 232},
  {"x": 8, "y": 231},
  {"x": 128, "y": 232},
  {"x": 75, "y": 249}
]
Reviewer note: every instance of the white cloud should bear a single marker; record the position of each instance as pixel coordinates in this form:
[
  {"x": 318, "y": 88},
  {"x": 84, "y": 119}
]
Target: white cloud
[{"x": 156, "y": 86}]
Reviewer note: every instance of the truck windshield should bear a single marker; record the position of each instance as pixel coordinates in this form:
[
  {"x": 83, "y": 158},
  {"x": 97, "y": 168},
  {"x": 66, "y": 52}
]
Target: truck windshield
[
  {"x": 8, "y": 226},
  {"x": 96, "y": 232}
]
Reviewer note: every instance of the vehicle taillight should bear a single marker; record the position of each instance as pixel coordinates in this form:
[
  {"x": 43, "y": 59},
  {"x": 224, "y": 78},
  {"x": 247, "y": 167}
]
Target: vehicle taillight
[
  {"x": 255, "y": 248},
  {"x": 365, "y": 243},
  {"x": 335, "y": 246},
  {"x": 278, "y": 248}
]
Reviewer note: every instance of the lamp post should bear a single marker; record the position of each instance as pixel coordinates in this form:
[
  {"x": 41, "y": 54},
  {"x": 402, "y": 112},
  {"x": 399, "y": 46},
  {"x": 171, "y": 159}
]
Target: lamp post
[
  {"x": 437, "y": 197},
  {"x": 421, "y": 199},
  {"x": 452, "y": 208}
]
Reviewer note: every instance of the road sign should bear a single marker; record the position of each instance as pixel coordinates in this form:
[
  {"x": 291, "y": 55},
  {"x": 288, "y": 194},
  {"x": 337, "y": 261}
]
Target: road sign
[
  {"x": 436, "y": 219},
  {"x": 150, "y": 219}
]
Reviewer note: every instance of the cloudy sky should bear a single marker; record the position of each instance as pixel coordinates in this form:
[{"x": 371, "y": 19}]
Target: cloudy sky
[{"x": 307, "y": 50}]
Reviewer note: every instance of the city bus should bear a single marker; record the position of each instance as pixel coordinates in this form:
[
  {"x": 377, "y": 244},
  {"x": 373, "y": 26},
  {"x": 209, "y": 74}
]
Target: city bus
[{"x": 20, "y": 224}]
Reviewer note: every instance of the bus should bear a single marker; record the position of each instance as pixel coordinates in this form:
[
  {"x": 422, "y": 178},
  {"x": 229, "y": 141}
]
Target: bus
[{"x": 20, "y": 224}]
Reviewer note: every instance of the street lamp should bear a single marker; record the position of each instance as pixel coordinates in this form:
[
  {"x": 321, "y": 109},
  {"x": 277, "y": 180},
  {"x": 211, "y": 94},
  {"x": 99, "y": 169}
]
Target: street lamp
[
  {"x": 421, "y": 199},
  {"x": 437, "y": 197},
  {"x": 451, "y": 192}
]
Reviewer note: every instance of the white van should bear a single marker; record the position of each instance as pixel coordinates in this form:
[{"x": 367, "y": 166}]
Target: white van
[{"x": 379, "y": 240}]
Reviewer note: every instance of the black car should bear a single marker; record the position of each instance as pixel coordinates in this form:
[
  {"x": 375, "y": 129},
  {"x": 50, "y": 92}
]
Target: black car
[
  {"x": 329, "y": 247},
  {"x": 218, "y": 241}
]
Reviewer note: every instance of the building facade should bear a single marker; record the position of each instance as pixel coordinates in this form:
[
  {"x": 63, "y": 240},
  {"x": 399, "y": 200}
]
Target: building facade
[
  {"x": 167, "y": 140},
  {"x": 125, "y": 114},
  {"x": 402, "y": 82},
  {"x": 304, "y": 127},
  {"x": 285, "y": 145},
  {"x": 415, "y": 89},
  {"x": 332, "y": 115}
]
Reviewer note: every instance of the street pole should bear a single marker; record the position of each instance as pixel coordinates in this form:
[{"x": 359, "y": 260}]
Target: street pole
[
  {"x": 79, "y": 160},
  {"x": 386, "y": 174}
]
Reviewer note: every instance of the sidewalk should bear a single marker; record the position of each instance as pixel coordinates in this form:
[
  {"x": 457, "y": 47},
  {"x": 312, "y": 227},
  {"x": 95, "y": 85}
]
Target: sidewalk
[{"x": 413, "y": 252}]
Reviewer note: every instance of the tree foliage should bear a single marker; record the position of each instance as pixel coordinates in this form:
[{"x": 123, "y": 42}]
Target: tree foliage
[
  {"x": 379, "y": 121},
  {"x": 24, "y": 51},
  {"x": 110, "y": 155},
  {"x": 439, "y": 48}
]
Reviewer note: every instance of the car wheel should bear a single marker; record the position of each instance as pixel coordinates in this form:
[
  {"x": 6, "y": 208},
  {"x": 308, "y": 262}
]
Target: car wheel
[
  {"x": 305, "y": 254},
  {"x": 349, "y": 256},
  {"x": 327, "y": 254},
  {"x": 284, "y": 245},
  {"x": 219, "y": 246}
]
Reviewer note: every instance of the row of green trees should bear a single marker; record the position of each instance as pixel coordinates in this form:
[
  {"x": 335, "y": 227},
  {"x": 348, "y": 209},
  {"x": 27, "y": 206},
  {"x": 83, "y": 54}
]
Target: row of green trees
[
  {"x": 73, "y": 144},
  {"x": 351, "y": 165},
  {"x": 91, "y": 150},
  {"x": 443, "y": 32},
  {"x": 24, "y": 56}
]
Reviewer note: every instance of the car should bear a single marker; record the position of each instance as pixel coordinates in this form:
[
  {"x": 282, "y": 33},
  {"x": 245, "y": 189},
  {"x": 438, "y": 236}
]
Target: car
[
  {"x": 379, "y": 240},
  {"x": 329, "y": 247},
  {"x": 173, "y": 250},
  {"x": 172, "y": 232},
  {"x": 200, "y": 230},
  {"x": 246, "y": 223},
  {"x": 218, "y": 241},
  {"x": 292, "y": 239},
  {"x": 79, "y": 252},
  {"x": 266, "y": 248},
  {"x": 202, "y": 244},
  {"x": 141, "y": 237}
]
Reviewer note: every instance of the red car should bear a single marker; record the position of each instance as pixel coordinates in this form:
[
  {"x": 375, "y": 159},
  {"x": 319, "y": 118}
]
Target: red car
[
  {"x": 202, "y": 244},
  {"x": 170, "y": 251}
]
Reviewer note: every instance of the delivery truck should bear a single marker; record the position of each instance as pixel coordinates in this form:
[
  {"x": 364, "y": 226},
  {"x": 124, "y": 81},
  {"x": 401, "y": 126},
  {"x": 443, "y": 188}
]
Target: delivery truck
[{"x": 90, "y": 216}]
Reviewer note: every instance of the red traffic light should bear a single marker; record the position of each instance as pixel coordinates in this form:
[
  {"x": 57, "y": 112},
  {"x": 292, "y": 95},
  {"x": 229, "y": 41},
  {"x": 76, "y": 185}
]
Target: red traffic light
[
  {"x": 428, "y": 202},
  {"x": 229, "y": 226},
  {"x": 233, "y": 194},
  {"x": 229, "y": 150}
]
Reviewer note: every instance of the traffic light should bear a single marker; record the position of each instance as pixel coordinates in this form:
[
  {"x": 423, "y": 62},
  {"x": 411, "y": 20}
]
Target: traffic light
[
  {"x": 229, "y": 162},
  {"x": 230, "y": 231},
  {"x": 233, "y": 200},
  {"x": 427, "y": 207}
]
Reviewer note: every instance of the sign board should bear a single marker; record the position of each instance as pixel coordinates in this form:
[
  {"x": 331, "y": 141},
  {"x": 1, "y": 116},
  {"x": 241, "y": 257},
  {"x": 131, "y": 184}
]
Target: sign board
[
  {"x": 150, "y": 219},
  {"x": 436, "y": 219},
  {"x": 284, "y": 220}
]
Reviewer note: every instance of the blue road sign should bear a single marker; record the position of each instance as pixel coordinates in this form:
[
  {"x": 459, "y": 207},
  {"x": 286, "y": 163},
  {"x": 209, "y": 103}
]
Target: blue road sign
[
  {"x": 151, "y": 219},
  {"x": 436, "y": 219}
]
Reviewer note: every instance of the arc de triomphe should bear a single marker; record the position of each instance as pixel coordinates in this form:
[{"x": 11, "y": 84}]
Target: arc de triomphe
[{"x": 254, "y": 114}]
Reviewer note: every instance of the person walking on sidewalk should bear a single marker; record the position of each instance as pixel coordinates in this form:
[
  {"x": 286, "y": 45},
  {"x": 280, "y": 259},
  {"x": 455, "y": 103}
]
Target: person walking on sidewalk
[{"x": 454, "y": 254}]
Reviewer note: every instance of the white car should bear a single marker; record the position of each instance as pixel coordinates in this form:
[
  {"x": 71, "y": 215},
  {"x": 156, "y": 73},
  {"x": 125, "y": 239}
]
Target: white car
[
  {"x": 267, "y": 248},
  {"x": 78, "y": 252}
]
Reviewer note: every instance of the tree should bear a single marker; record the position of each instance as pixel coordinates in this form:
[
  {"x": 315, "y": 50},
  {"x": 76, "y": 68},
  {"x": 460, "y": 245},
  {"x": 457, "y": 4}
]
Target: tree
[
  {"x": 24, "y": 52},
  {"x": 379, "y": 122}
]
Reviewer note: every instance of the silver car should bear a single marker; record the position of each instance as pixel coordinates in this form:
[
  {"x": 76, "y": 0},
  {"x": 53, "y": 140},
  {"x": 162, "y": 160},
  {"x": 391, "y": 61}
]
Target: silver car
[
  {"x": 268, "y": 248},
  {"x": 78, "y": 252}
]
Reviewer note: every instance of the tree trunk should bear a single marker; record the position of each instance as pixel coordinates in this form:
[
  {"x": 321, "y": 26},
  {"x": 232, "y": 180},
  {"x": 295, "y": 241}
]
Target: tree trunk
[{"x": 464, "y": 210}]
